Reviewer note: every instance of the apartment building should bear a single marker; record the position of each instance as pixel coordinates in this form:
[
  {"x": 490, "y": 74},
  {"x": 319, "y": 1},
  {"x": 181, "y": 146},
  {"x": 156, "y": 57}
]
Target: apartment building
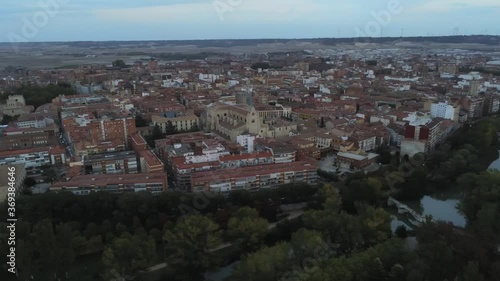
[
  {"x": 19, "y": 174},
  {"x": 51, "y": 129},
  {"x": 26, "y": 141},
  {"x": 113, "y": 129},
  {"x": 34, "y": 120},
  {"x": 150, "y": 163},
  {"x": 85, "y": 184},
  {"x": 180, "y": 123},
  {"x": 491, "y": 104},
  {"x": 444, "y": 110},
  {"x": 253, "y": 178},
  {"x": 182, "y": 170},
  {"x": 247, "y": 142},
  {"x": 122, "y": 162},
  {"x": 356, "y": 161},
  {"x": 424, "y": 137},
  {"x": 34, "y": 159},
  {"x": 243, "y": 160},
  {"x": 475, "y": 108},
  {"x": 138, "y": 143}
]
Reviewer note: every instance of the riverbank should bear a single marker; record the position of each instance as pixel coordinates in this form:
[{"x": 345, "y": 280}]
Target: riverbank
[
  {"x": 443, "y": 205},
  {"x": 496, "y": 164}
]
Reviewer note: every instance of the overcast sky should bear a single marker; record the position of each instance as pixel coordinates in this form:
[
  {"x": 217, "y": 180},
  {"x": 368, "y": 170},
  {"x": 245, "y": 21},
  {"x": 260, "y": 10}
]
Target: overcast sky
[{"x": 78, "y": 20}]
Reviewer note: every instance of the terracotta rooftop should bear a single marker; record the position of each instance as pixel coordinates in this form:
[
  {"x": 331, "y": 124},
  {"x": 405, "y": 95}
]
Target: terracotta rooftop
[
  {"x": 257, "y": 155},
  {"x": 226, "y": 174},
  {"x": 110, "y": 179}
]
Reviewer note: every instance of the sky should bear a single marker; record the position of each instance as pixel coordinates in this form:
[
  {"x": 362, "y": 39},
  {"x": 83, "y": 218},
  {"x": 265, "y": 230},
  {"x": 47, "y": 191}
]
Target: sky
[{"x": 101, "y": 20}]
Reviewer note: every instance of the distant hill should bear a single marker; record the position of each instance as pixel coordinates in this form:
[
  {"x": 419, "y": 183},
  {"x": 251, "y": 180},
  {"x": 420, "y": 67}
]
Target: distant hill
[{"x": 222, "y": 43}]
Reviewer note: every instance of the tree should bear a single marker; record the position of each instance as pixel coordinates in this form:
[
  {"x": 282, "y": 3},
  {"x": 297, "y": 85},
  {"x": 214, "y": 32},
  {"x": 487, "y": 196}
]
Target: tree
[
  {"x": 267, "y": 264},
  {"x": 37, "y": 96},
  {"x": 397, "y": 273},
  {"x": 119, "y": 63},
  {"x": 189, "y": 246},
  {"x": 306, "y": 244},
  {"x": 140, "y": 121},
  {"x": 91, "y": 230},
  {"x": 376, "y": 224},
  {"x": 49, "y": 173},
  {"x": 376, "y": 271},
  {"x": 322, "y": 220},
  {"x": 65, "y": 253},
  {"x": 262, "y": 65},
  {"x": 29, "y": 182},
  {"x": 385, "y": 154},
  {"x": 195, "y": 128},
  {"x": 471, "y": 273},
  {"x": 128, "y": 254},
  {"x": 7, "y": 119},
  {"x": 368, "y": 190},
  {"x": 322, "y": 123},
  {"x": 438, "y": 259},
  {"x": 157, "y": 134},
  {"x": 402, "y": 232},
  {"x": 247, "y": 229},
  {"x": 170, "y": 129},
  {"x": 46, "y": 242},
  {"x": 26, "y": 262},
  {"x": 480, "y": 204},
  {"x": 55, "y": 251}
]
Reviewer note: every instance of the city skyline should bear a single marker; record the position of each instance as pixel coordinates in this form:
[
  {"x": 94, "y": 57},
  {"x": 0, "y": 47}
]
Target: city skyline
[{"x": 77, "y": 20}]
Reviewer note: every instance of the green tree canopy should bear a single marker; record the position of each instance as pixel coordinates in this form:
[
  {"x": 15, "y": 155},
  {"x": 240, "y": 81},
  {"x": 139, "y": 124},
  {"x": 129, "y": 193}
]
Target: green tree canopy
[
  {"x": 189, "y": 246},
  {"x": 128, "y": 254},
  {"x": 119, "y": 63}
]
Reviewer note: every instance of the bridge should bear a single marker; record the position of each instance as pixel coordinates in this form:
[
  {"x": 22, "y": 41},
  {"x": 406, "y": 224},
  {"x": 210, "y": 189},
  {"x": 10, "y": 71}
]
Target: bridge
[{"x": 405, "y": 209}]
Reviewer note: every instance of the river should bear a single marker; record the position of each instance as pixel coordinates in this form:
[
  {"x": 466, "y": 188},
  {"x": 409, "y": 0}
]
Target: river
[
  {"x": 495, "y": 165},
  {"x": 442, "y": 206}
]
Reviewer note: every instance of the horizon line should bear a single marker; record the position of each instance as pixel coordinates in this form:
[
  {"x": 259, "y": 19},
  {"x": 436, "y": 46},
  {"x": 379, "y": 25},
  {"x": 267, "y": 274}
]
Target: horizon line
[{"x": 243, "y": 39}]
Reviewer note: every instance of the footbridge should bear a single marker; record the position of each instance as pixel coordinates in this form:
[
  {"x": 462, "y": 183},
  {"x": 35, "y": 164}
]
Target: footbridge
[{"x": 405, "y": 209}]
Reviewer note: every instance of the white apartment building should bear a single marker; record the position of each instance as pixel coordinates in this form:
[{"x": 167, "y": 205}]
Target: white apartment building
[
  {"x": 246, "y": 141},
  {"x": 442, "y": 110}
]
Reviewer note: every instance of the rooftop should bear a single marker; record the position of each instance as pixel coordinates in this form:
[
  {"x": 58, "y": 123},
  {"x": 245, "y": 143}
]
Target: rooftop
[
  {"x": 226, "y": 174},
  {"x": 110, "y": 179},
  {"x": 110, "y": 156}
]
